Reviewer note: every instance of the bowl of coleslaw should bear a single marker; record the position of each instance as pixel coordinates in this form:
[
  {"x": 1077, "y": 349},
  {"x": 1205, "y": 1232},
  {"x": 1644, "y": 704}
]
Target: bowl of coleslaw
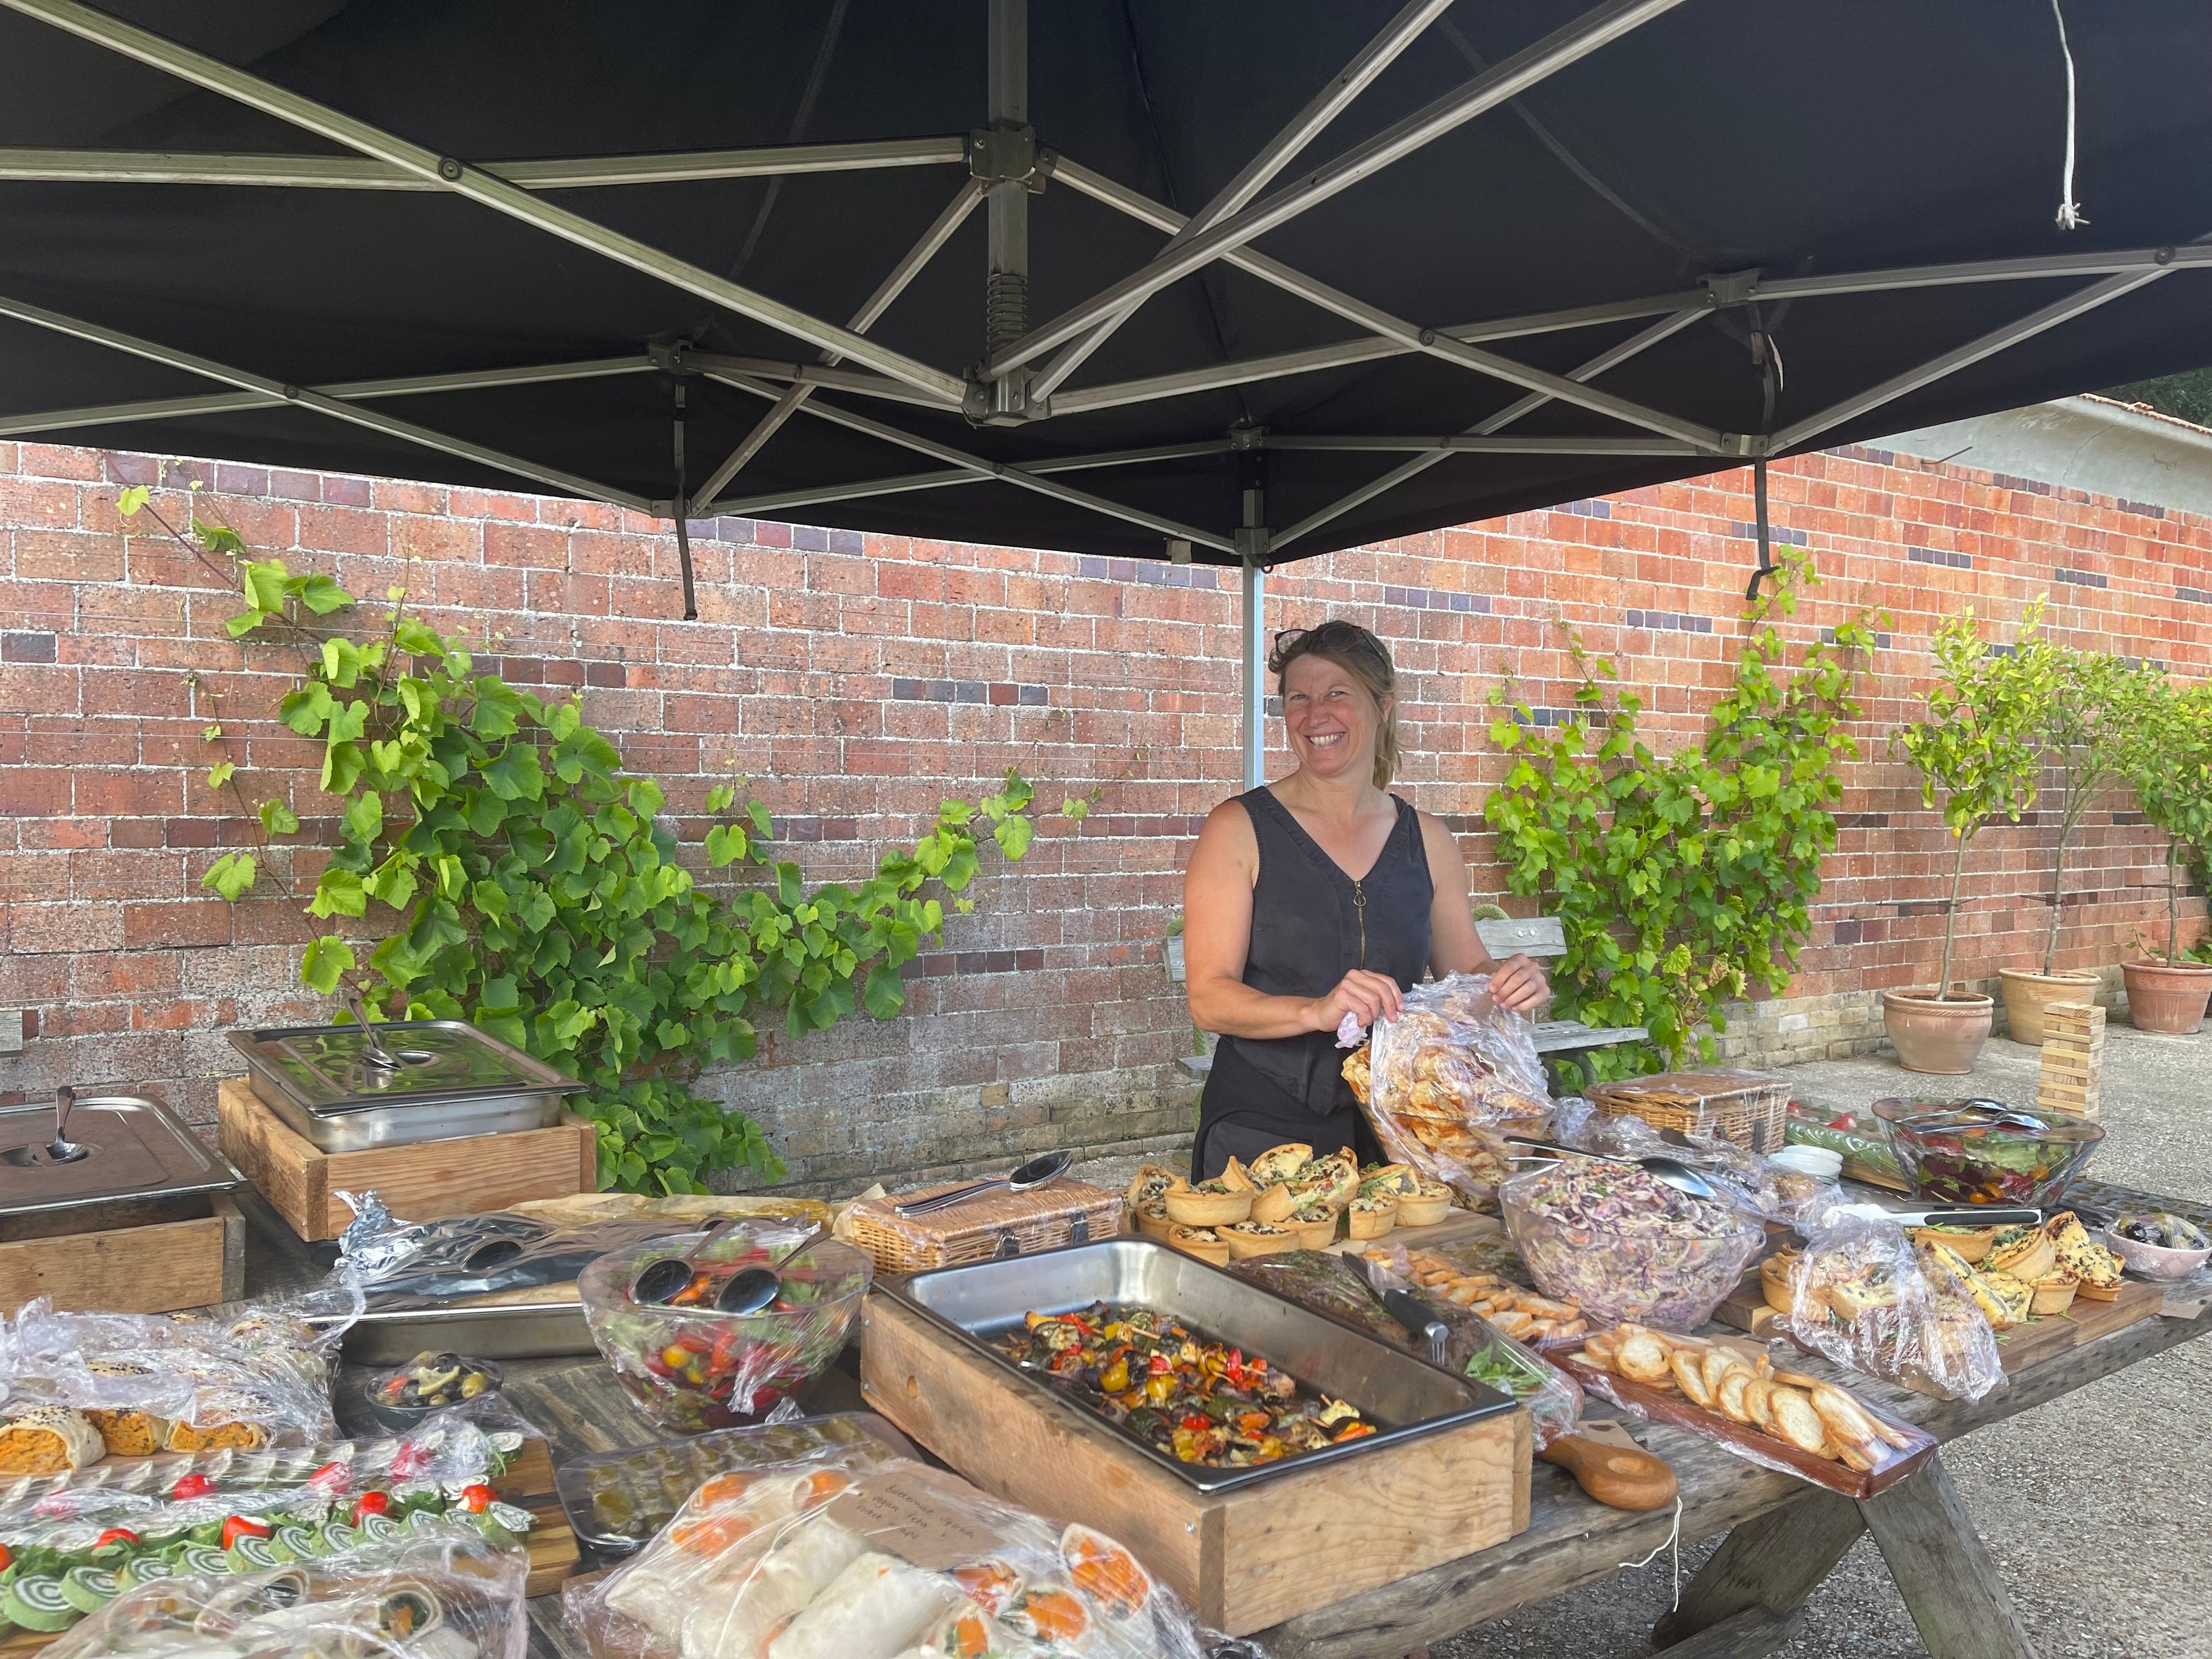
[{"x": 1621, "y": 1244}]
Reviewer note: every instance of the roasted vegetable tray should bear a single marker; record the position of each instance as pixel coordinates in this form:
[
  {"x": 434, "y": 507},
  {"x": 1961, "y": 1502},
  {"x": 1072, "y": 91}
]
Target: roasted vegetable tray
[
  {"x": 617, "y": 1500},
  {"x": 977, "y": 1305}
]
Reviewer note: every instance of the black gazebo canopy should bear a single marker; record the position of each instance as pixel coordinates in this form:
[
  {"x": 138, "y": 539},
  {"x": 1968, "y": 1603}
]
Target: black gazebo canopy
[{"x": 1241, "y": 280}]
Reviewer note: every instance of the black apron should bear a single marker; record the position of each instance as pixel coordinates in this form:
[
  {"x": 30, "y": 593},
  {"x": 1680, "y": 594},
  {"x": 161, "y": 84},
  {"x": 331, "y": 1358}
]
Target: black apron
[{"x": 1311, "y": 925}]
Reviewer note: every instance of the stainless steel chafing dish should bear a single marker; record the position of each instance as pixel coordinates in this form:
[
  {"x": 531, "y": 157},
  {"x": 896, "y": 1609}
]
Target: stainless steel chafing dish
[
  {"x": 93, "y": 1161},
  {"x": 978, "y": 1302},
  {"x": 347, "y": 1087}
]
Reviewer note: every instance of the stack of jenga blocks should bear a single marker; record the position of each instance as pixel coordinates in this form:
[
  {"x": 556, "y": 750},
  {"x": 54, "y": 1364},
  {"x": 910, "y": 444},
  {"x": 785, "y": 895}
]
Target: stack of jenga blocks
[{"x": 2073, "y": 1058}]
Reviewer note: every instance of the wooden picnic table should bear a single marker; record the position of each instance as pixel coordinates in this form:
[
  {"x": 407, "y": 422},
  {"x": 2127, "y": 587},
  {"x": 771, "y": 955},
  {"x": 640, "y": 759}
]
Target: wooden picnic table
[{"x": 1784, "y": 1536}]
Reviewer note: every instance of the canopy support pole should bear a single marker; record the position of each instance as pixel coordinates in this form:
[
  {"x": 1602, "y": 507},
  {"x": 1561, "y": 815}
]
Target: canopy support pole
[
  {"x": 1254, "y": 675},
  {"x": 1006, "y": 156},
  {"x": 1252, "y": 543},
  {"x": 1759, "y": 513}
]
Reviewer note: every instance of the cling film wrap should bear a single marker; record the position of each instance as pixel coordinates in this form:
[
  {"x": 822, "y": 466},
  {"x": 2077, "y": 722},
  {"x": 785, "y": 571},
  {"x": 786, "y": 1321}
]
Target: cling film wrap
[
  {"x": 822, "y": 1559},
  {"x": 244, "y": 1379},
  {"x": 1447, "y": 1079},
  {"x": 1481, "y": 1353},
  {"x": 445, "y": 1596},
  {"x": 1864, "y": 1295},
  {"x": 307, "y": 1487}
]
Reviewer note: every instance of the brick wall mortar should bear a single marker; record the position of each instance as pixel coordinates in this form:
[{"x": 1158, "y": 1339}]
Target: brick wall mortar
[{"x": 858, "y": 680}]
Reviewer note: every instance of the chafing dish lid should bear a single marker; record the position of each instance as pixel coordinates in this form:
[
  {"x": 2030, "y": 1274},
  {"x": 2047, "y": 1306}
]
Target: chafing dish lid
[
  {"x": 327, "y": 1069},
  {"x": 135, "y": 1148}
]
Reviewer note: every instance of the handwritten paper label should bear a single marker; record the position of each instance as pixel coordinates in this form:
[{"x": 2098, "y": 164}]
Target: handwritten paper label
[{"x": 917, "y": 1517}]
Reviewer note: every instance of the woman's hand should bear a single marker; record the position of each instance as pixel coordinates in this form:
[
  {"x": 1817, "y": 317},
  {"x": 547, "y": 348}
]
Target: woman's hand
[
  {"x": 1367, "y": 997},
  {"x": 1517, "y": 983}
]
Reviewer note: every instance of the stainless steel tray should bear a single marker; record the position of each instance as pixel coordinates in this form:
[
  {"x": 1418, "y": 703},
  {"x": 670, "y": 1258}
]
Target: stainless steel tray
[
  {"x": 977, "y": 1303},
  {"x": 140, "y": 1161},
  {"x": 504, "y": 1330},
  {"x": 452, "y": 1080}
]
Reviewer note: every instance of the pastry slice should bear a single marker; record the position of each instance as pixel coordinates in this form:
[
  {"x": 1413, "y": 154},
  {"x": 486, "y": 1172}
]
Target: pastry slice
[
  {"x": 1279, "y": 1163},
  {"x": 1250, "y": 1238},
  {"x": 1371, "y": 1218}
]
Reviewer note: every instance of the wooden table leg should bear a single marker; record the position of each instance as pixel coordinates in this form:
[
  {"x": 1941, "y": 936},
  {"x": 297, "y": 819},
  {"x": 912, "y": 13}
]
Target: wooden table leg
[
  {"x": 1944, "y": 1570},
  {"x": 1751, "y": 1588},
  {"x": 1744, "y": 1601}
]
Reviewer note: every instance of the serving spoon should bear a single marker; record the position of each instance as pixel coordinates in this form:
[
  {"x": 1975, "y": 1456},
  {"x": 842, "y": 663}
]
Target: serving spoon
[
  {"x": 1672, "y": 1170},
  {"x": 663, "y": 1280},
  {"x": 750, "y": 1290},
  {"x": 1037, "y": 1172},
  {"x": 62, "y": 1148}
]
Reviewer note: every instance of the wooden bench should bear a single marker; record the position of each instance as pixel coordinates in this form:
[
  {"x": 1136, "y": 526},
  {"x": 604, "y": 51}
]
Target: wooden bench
[{"x": 1539, "y": 937}]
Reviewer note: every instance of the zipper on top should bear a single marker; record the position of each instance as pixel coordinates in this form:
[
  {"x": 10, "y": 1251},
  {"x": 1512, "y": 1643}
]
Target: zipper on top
[{"x": 1359, "y": 908}]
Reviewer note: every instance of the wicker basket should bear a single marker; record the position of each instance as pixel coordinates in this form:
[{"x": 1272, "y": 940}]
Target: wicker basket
[
  {"x": 1748, "y": 1107},
  {"x": 985, "y": 1229}
]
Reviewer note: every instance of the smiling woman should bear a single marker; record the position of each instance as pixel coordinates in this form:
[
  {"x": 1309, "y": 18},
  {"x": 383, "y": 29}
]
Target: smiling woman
[{"x": 1282, "y": 940}]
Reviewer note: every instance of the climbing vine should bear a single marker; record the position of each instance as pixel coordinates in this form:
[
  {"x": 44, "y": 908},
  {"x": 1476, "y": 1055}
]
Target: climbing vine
[
  {"x": 494, "y": 862},
  {"x": 1681, "y": 881}
]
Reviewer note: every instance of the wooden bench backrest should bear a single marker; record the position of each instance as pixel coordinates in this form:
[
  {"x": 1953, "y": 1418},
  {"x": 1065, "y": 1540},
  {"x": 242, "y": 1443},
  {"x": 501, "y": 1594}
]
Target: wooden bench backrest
[{"x": 1538, "y": 936}]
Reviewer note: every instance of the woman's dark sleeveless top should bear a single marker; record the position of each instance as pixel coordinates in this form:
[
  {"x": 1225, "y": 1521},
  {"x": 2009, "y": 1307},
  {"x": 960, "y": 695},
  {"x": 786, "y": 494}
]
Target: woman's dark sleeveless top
[{"x": 1311, "y": 925}]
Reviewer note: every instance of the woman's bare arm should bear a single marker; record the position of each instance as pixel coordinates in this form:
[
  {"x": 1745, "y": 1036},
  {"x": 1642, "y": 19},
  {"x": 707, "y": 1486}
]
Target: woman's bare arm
[{"x": 1217, "y": 937}]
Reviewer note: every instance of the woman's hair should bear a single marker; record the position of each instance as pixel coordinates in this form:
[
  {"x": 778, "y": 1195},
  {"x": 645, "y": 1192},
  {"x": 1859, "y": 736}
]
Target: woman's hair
[{"x": 1361, "y": 655}]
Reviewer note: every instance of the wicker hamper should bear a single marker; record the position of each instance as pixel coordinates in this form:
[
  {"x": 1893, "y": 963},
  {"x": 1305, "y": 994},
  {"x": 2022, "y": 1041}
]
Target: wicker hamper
[
  {"x": 1748, "y": 1107},
  {"x": 984, "y": 1229}
]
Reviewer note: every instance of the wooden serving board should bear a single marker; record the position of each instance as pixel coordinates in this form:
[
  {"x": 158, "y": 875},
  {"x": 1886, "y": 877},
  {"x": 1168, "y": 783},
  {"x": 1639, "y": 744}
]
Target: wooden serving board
[
  {"x": 527, "y": 1484},
  {"x": 421, "y": 1180},
  {"x": 1242, "y": 1559},
  {"x": 1747, "y": 1441}
]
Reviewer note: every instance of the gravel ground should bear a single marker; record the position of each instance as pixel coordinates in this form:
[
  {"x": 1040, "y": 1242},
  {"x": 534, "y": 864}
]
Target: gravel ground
[{"x": 2095, "y": 1505}]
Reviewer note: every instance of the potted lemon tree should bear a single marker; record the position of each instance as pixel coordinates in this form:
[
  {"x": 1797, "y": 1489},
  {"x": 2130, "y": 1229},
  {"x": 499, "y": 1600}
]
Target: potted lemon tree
[
  {"x": 2096, "y": 698},
  {"x": 1979, "y": 750},
  {"x": 2170, "y": 765}
]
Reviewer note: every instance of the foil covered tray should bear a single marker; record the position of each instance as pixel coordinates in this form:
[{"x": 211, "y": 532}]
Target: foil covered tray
[
  {"x": 975, "y": 1304},
  {"x": 140, "y": 1165},
  {"x": 348, "y": 1087}
]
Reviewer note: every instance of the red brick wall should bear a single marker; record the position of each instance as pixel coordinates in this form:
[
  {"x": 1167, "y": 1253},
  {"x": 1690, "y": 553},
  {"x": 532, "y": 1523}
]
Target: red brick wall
[{"x": 857, "y": 684}]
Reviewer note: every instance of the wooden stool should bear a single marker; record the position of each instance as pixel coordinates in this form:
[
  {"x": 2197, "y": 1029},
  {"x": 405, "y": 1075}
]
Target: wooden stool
[{"x": 2073, "y": 1058}]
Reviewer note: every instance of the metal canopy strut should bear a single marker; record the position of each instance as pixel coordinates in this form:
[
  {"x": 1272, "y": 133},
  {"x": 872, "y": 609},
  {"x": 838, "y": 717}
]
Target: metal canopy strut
[
  {"x": 275, "y": 392},
  {"x": 1025, "y": 372}
]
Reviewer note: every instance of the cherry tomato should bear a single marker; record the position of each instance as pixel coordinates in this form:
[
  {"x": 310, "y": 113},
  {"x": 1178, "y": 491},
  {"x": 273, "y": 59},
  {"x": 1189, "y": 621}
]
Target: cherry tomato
[
  {"x": 675, "y": 1356},
  {"x": 477, "y": 1498},
  {"x": 115, "y": 1536},
  {"x": 332, "y": 1476},
  {"x": 729, "y": 1346},
  {"x": 7, "y": 1558},
  {"x": 370, "y": 1502},
  {"x": 242, "y": 1526},
  {"x": 192, "y": 1485},
  {"x": 411, "y": 1459}
]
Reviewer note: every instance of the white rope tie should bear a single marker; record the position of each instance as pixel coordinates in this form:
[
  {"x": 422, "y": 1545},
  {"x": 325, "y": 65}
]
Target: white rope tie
[
  {"x": 2070, "y": 211},
  {"x": 1673, "y": 1542}
]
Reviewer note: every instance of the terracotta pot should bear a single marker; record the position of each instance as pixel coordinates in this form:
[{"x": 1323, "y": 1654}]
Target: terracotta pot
[
  {"x": 2026, "y": 995},
  {"x": 1942, "y": 1035},
  {"x": 2166, "y": 998}
]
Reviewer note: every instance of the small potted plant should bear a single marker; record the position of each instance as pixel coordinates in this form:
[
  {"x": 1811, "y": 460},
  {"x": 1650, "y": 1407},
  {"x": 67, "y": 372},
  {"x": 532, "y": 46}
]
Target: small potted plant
[
  {"x": 2095, "y": 700},
  {"x": 1979, "y": 749},
  {"x": 2170, "y": 765}
]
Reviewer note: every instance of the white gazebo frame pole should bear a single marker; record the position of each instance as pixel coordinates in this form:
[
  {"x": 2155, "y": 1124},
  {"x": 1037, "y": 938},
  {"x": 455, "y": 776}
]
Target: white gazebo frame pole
[{"x": 1254, "y": 675}]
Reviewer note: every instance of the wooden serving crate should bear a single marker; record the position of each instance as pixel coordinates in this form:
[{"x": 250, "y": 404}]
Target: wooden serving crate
[
  {"x": 421, "y": 1180},
  {"x": 1242, "y": 1559},
  {"x": 154, "y": 1267}
]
